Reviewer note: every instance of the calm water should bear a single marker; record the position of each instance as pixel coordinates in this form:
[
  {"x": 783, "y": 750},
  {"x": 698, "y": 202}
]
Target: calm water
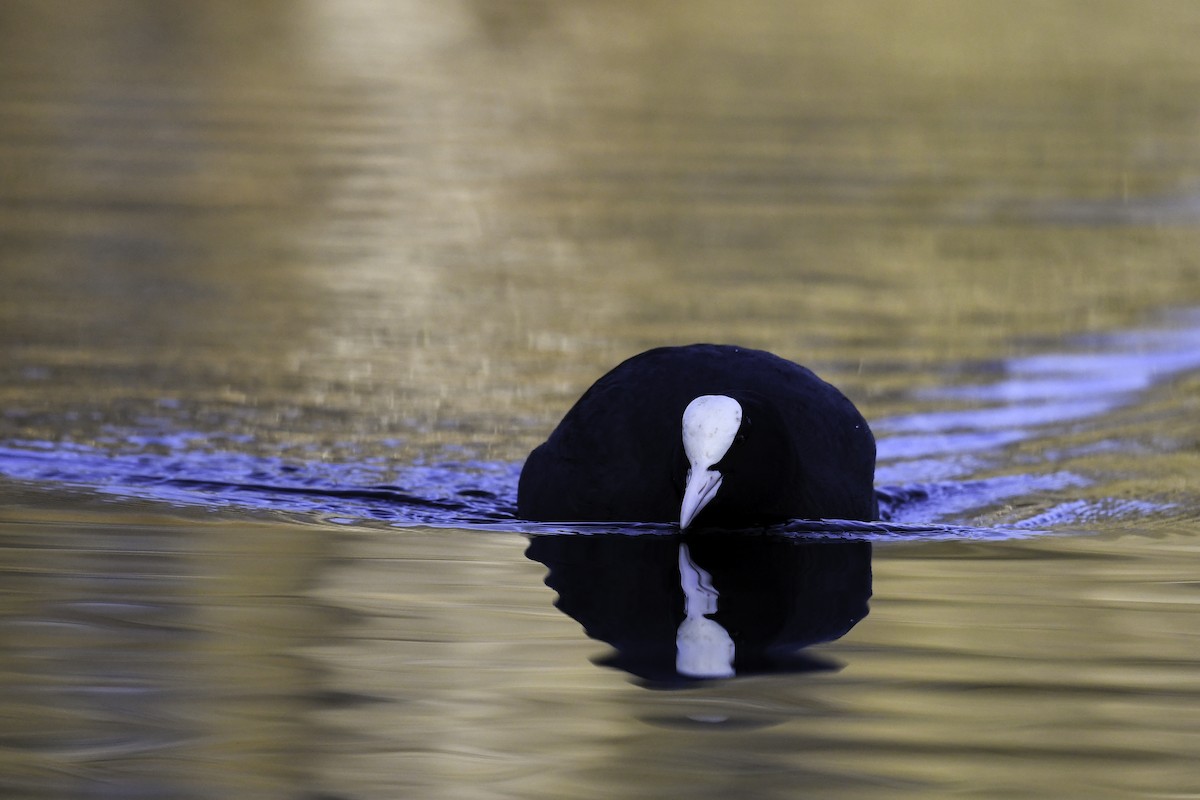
[{"x": 290, "y": 290}]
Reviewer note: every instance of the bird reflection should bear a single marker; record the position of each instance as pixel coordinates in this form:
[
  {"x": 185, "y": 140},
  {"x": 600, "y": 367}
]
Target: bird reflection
[{"x": 680, "y": 608}]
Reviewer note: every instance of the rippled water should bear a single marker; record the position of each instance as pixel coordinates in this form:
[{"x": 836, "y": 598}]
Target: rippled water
[
  {"x": 933, "y": 460},
  {"x": 289, "y": 291}
]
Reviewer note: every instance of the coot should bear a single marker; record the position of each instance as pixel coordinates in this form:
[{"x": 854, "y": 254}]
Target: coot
[{"x": 711, "y": 435}]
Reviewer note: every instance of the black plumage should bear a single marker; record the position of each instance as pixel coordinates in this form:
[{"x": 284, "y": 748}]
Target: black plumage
[{"x": 803, "y": 451}]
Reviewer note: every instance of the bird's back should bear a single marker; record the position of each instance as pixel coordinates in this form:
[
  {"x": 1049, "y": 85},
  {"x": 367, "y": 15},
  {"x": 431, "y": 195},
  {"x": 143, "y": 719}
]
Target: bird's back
[{"x": 616, "y": 455}]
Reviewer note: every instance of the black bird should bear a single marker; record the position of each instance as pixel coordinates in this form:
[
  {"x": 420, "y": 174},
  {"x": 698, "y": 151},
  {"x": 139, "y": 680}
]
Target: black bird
[{"x": 719, "y": 435}]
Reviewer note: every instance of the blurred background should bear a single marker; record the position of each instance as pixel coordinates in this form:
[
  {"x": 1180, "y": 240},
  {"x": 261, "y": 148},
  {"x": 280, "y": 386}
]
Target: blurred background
[
  {"x": 412, "y": 218},
  {"x": 358, "y": 242}
]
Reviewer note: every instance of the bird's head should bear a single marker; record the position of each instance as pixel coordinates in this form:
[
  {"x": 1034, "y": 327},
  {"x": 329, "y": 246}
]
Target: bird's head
[{"x": 711, "y": 426}]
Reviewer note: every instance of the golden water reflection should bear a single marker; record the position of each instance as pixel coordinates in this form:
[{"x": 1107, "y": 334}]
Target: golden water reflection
[
  {"x": 407, "y": 232},
  {"x": 144, "y": 656},
  {"x": 445, "y": 220}
]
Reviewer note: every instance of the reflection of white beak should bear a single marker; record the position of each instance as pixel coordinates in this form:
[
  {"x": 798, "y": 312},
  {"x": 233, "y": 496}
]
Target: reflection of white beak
[
  {"x": 703, "y": 649},
  {"x": 701, "y": 488}
]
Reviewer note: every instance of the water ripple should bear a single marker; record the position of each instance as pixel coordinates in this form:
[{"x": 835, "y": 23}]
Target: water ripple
[{"x": 933, "y": 463}]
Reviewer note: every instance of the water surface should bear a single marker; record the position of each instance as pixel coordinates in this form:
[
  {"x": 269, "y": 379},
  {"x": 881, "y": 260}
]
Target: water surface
[{"x": 290, "y": 291}]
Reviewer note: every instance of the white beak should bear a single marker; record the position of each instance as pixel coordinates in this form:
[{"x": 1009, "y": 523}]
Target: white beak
[
  {"x": 701, "y": 487},
  {"x": 710, "y": 424}
]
